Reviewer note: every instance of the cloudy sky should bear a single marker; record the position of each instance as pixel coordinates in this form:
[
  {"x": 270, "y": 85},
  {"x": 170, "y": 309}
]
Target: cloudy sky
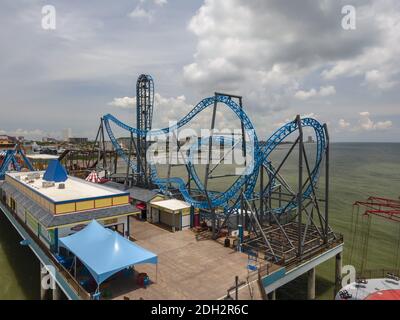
[{"x": 284, "y": 57}]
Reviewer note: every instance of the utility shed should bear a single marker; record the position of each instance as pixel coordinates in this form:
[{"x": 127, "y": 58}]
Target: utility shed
[{"x": 172, "y": 213}]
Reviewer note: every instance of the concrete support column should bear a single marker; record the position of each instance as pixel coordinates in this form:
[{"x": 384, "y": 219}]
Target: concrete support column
[
  {"x": 57, "y": 292},
  {"x": 272, "y": 295},
  {"x": 338, "y": 273},
  {"x": 311, "y": 284}
]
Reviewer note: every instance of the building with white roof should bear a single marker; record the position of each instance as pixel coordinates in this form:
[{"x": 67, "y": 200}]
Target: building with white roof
[{"x": 52, "y": 204}]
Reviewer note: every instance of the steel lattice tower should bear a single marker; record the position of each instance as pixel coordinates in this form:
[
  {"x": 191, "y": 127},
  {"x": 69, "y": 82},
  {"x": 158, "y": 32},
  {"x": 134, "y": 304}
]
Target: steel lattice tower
[{"x": 144, "y": 117}]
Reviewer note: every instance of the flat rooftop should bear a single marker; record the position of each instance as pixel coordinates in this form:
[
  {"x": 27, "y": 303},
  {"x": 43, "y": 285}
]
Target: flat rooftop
[
  {"x": 42, "y": 157},
  {"x": 187, "y": 268},
  {"x": 171, "y": 204},
  {"x": 75, "y": 188}
]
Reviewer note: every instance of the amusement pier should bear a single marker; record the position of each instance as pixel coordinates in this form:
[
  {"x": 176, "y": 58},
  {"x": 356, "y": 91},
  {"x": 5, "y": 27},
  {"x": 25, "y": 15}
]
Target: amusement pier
[{"x": 106, "y": 221}]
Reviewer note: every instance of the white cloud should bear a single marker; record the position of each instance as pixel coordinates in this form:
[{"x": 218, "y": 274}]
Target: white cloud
[
  {"x": 160, "y": 2},
  {"x": 344, "y": 124},
  {"x": 327, "y": 91},
  {"x": 379, "y": 63},
  {"x": 383, "y": 125},
  {"x": 304, "y": 95},
  {"x": 268, "y": 50},
  {"x": 125, "y": 102},
  {"x": 365, "y": 123},
  {"x": 140, "y": 13},
  {"x": 379, "y": 79},
  {"x": 323, "y": 92}
]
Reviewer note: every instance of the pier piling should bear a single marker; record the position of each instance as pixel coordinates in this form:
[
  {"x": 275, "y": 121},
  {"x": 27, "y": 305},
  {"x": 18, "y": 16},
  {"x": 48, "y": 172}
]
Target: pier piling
[
  {"x": 57, "y": 293},
  {"x": 311, "y": 284},
  {"x": 338, "y": 273}
]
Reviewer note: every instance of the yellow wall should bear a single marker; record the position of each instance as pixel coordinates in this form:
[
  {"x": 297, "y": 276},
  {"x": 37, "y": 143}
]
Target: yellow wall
[
  {"x": 65, "y": 208},
  {"x": 120, "y": 200},
  {"x": 85, "y": 205},
  {"x": 101, "y": 203}
]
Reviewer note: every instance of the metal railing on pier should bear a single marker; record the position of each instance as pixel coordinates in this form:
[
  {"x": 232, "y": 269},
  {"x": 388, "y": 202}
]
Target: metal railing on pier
[{"x": 71, "y": 281}]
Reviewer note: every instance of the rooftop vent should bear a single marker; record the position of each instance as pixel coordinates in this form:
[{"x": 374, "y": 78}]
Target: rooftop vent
[
  {"x": 34, "y": 175},
  {"x": 48, "y": 184}
]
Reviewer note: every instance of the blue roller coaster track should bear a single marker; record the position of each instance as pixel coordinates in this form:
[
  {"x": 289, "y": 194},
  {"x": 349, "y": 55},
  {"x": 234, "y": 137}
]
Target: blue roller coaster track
[
  {"x": 10, "y": 158},
  {"x": 261, "y": 155}
]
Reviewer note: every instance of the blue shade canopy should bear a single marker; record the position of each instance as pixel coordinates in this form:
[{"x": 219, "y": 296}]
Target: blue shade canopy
[
  {"x": 105, "y": 252},
  {"x": 55, "y": 172}
]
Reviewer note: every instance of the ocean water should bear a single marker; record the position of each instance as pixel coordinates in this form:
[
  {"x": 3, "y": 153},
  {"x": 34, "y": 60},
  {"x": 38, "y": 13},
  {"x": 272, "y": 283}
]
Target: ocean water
[{"x": 357, "y": 170}]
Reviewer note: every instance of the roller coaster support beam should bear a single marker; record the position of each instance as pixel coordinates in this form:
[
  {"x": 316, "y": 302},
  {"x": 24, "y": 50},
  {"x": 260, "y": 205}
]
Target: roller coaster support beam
[
  {"x": 261, "y": 189},
  {"x": 103, "y": 145},
  {"x": 212, "y": 209},
  {"x": 128, "y": 168},
  {"x": 95, "y": 142},
  {"x": 326, "y": 183},
  {"x": 276, "y": 172},
  {"x": 240, "y": 98},
  {"x": 300, "y": 190}
]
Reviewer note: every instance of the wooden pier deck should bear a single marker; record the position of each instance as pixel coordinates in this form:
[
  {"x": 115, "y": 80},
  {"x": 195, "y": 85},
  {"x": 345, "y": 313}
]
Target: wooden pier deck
[{"x": 187, "y": 268}]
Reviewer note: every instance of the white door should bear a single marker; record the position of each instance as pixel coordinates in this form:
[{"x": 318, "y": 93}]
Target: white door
[
  {"x": 186, "y": 221},
  {"x": 155, "y": 215}
]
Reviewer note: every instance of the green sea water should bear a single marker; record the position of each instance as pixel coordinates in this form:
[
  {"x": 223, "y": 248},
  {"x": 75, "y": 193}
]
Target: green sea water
[{"x": 357, "y": 170}]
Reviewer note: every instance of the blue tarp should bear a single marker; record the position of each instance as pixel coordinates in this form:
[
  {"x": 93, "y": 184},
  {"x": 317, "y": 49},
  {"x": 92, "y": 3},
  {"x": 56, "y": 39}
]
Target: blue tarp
[
  {"x": 55, "y": 172},
  {"x": 105, "y": 252}
]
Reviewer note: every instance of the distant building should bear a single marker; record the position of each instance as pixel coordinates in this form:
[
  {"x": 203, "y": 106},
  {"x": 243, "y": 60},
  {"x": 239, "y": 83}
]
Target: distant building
[
  {"x": 67, "y": 134},
  {"x": 310, "y": 139},
  {"x": 78, "y": 140},
  {"x": 47, "y": 139},
  {"x": 7, "y": 140}
]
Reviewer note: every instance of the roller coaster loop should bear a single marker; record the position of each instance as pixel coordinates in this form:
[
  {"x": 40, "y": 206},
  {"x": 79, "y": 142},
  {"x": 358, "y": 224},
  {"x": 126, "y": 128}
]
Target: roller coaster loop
[{"x": 261, "y": 155}]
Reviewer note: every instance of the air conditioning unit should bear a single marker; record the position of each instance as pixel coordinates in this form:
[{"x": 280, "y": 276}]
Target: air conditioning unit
[
  {"x": 61, "y": 186},
  {"x": 34, "y": 175},
  {"x": 48, "y": 184}
]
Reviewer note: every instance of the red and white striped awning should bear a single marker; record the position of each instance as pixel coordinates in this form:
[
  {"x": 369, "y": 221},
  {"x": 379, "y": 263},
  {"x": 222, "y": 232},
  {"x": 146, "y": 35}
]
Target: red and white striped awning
[{"x": 93, "y": 177}]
